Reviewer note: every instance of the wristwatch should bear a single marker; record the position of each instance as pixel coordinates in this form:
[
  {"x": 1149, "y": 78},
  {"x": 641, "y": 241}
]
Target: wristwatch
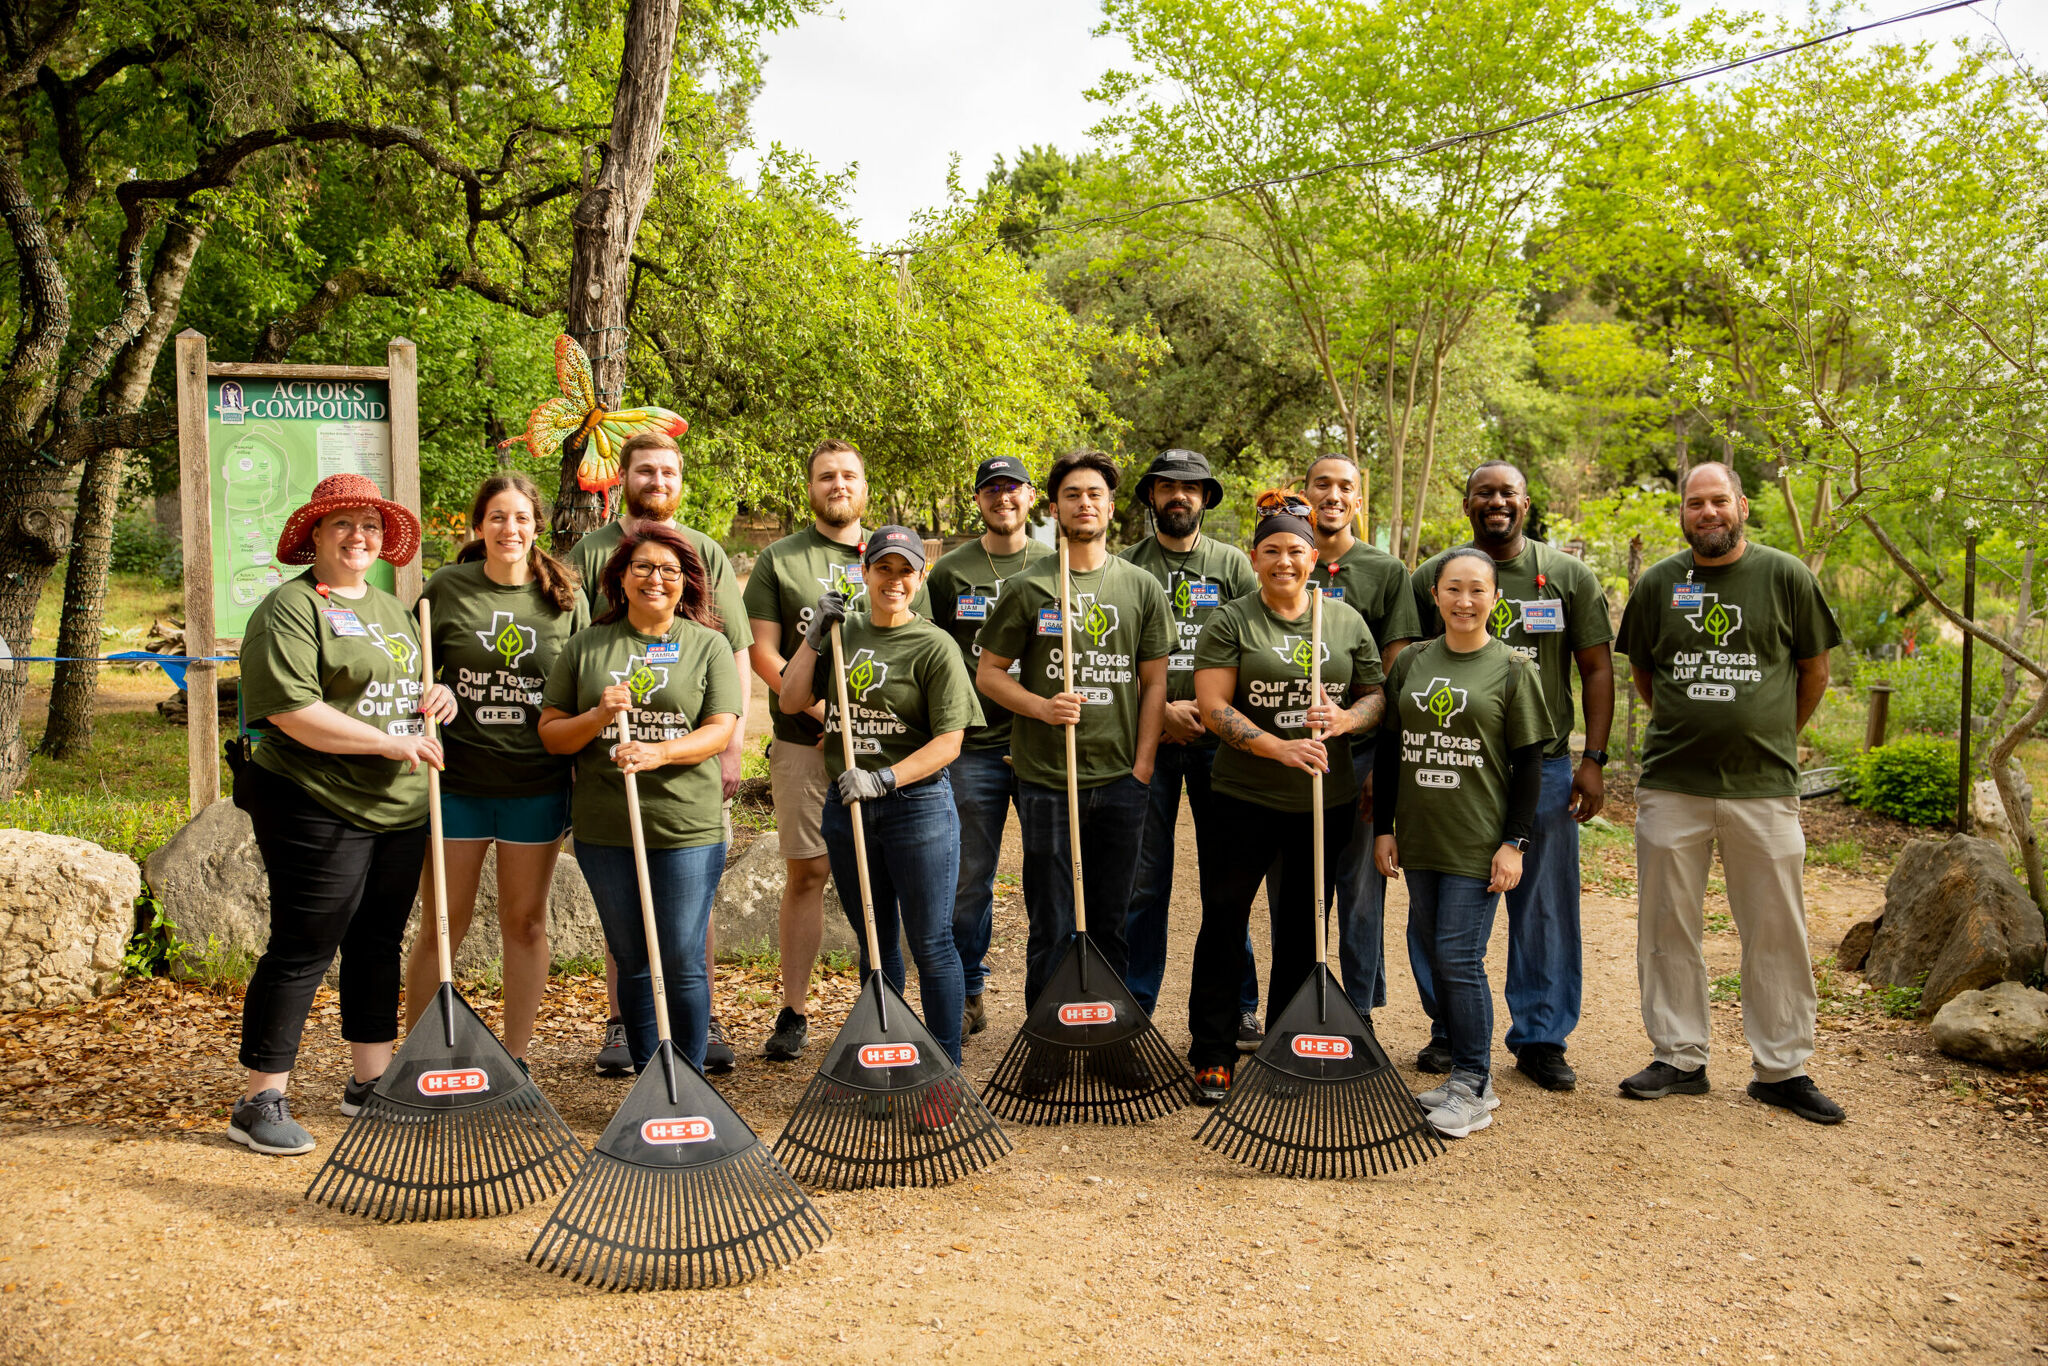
[
  {"x": 1598, "y": 756},
  {"x": 1521, "y": 844}
]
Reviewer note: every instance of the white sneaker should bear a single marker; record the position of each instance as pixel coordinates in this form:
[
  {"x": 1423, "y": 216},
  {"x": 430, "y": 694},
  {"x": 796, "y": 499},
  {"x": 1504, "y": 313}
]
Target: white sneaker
[
  {"x": 1462, "y": 1111},
  {"x": 1434, "y": 1098}
]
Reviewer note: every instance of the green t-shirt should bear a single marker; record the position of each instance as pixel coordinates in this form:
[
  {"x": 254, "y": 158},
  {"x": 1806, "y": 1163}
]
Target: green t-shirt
[
  {"x": 784, "y": 587},
  {"x": 905, "y": 684},
  {"x": 1375, "y": 585},
  {"x": 679, "y": 680},
  {"x": 590, "y": 555},
  {"x": 493, "y": 645},
  {"x": 1120, "y": 622},
  {"x": 1271, "y": 656},
  {"x": 360, "y": 656},
  {"x": 964, "y": 584},
  {"x": 1547, "y": 622},
  {"x": 1460, "y": 715},
  {"x": 1724, "y": 707},
  {"x": 1197, "y": 585}
]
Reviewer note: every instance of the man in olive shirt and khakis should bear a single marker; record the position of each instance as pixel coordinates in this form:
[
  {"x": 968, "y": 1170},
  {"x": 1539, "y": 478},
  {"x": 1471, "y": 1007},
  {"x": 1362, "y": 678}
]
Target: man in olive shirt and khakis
[
  {"x": 1199, "y": 575},
  {"x": 1728, "y": 642}
]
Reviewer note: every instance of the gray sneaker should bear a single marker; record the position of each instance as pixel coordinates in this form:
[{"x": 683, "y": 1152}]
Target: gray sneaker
[
  {"x": 263, "y": 1123},
  {"x": 615, "y": 1059},
  {"x": 356, "y": 1094},
  {"x": 719, "y": 1058},
  {"x": 1435, "y": 1098},
  {"x": 1462, "y": 1111}
]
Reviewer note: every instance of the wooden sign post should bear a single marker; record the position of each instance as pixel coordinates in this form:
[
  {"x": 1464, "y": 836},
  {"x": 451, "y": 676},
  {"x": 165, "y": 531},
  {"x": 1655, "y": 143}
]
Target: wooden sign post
[{"x": 281, "y": 429}]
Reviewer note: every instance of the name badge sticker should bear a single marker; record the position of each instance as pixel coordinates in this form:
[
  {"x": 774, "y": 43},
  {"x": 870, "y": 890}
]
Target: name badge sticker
[
  {"x": 971, "y": 607},
  {"x": 1049, "y": 621},
  {"x": 1203, "y": 594},
  {"x": 1545, "y": 614},
  {"x": 669, "y": 653},
  {"x": 1334, "y": 593},
  {"x": 343, "y": 621},
  {"x": 1688, "y": 596}
]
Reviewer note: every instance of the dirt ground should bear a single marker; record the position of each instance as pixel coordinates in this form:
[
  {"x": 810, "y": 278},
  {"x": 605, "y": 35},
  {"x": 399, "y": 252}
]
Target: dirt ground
[{"x": 1578, "y": 1228}]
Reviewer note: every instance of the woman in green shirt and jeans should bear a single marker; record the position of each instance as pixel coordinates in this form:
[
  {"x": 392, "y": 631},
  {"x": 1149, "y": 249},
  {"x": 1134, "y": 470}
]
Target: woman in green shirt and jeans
[{"x": 658, "y": 657}]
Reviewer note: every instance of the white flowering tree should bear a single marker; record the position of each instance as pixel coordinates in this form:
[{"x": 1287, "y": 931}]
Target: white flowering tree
[{"x": 1904, "y": 198}]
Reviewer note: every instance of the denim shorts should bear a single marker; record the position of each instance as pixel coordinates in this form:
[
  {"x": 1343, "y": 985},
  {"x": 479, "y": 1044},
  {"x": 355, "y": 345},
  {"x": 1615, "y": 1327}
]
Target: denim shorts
[{"x": 509, "y": 820}]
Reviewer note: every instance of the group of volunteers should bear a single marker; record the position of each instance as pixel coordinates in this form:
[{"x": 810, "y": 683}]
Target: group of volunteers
[{"x": 1441, "y": 734}]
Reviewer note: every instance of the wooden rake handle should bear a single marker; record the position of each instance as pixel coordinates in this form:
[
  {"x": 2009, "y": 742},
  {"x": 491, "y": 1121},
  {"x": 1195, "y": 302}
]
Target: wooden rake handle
[
  {"x": 1073, "y": 785},
  {"x": 1315, "y": 780},
  {"x": 647, "y": 927},
  {"x": 860, "y": 838},
  {"x": 437, "y": 857}
]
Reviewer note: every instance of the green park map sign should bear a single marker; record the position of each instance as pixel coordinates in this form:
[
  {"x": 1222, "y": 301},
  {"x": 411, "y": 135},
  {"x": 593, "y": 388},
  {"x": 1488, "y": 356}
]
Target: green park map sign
[{"x": 271, "y": 441}]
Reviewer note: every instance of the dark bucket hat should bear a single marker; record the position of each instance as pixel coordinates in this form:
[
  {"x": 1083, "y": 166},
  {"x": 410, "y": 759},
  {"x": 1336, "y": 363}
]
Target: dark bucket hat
[{"x": 1187, "y": 467}]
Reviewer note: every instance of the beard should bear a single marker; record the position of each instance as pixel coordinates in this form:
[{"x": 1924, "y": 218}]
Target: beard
[
  {"x": 1485, "y": 534},
  {"x": 1004, "y": 521},
  {"x": 1177, "y": 519},
  {"x": 651, "y": 505},
  {"x": 1715, "y": 542},
  {"x": 1080, "y": 535},
  {"x": 1329, "y": 521},
  {"x": 845, "y": 512}
]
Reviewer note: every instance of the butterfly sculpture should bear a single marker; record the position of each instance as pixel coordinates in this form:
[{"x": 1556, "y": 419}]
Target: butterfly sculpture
[{"x": 577, "y": 423}]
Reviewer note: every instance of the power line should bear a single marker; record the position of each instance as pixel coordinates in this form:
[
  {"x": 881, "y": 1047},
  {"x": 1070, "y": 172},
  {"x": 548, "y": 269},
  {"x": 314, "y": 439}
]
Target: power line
[{"x": 1454, "y": 140}]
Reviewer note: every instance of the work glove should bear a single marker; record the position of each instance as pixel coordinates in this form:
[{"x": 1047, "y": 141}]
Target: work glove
[
  {"x": 829, "y": 612},
  {"x": 859, "y": 785}
]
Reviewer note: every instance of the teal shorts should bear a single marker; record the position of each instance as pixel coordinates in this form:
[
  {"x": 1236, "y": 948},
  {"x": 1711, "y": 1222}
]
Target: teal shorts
[{"x": 509, "y": 820}]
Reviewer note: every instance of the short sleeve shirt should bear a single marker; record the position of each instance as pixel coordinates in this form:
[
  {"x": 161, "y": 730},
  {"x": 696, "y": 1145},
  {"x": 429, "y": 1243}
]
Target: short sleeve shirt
[
  {"x": 493, "y": 646},
  {"x": 1551, "y": 606},
  {"x": 360, "y": 656},
  {"x": 1197, "y": 585},
  {"x": 1119, "y": 622},
  {"x": 1458, "y": 717},
  {"x": 1272, "y": 658},
  {"x": 1722, "y": 644},
  {"x": 1375, "y": 585},
  {"x": 594, "y": 551},
  {"x": 678, "y": 679},
  {"x": 905, "y": 685},
  {"x": 965, "y": 584}
]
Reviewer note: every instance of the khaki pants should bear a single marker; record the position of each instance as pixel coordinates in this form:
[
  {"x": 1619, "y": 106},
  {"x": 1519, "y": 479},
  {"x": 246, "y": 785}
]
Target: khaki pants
[{"x": 1763, "y": 855}]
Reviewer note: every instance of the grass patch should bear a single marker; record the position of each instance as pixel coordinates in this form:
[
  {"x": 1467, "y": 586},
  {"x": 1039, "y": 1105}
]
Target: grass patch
[
  {"x": 1601, "y": 834},
  {"x": 1719, "y": 922},
  {"x": 486, "y": 982},
  {"x": 218, "y": 967},
  {"x": 579, "y": 965},
  {"x": 1725, "y": 988},
  {"x": 1843, "y": 853},
  {"x": 1841, "y": 994},
  {"x": 128, "y": 794}
]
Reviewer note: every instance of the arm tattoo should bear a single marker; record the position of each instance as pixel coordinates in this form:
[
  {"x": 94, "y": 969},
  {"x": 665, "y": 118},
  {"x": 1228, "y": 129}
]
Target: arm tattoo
[
  {"x": 1234, "y": 729},
  {"x": 1366, "y": 710}
]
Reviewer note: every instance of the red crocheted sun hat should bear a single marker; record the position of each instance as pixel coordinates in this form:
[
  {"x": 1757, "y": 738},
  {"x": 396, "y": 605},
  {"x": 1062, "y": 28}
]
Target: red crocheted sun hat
[{"x": 338, "y": 491}]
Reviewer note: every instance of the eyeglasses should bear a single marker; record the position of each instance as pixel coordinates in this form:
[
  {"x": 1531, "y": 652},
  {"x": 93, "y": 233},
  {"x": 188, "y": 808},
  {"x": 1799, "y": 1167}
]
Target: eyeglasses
[
  {"x": 346, "y": 529},
  {"x": 669, "y": 573},
  {"x": 1003, "y": 487}
]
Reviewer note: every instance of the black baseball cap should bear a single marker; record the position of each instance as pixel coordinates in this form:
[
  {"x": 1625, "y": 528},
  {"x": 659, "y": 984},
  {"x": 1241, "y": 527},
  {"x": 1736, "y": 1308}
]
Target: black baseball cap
[
  {"x": 895, "y": 540},
  {"x": 1000, "y": 467}
]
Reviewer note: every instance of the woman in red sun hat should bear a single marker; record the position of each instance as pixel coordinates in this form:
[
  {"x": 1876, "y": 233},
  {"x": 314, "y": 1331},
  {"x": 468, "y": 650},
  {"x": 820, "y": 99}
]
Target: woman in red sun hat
[{"x": 331, "y": 688}]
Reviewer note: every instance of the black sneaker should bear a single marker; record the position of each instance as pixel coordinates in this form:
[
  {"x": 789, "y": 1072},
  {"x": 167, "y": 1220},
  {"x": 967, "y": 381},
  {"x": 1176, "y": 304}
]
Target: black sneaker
[
  {"x": 719, "y": 1058},
  {"x": 1661, "y": 1079},
  {"x": 615, "y": 1058},
  {"x": 1250, "y": 1033},
  {"x": 1801, "y": 1097},
  {"x": 1435, "y": 1058},
  {"x": 1544, "y": 1064},
  {"x": 356, "y": 1094},
  {"x": 263, "y": 1123},
  {"x": 974, "y": 1016},
  {"x": 786, "y": 1044}
]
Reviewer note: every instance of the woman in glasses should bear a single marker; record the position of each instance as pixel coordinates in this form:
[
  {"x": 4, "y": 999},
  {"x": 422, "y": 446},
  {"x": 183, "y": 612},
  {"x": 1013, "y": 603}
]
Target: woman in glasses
[{"x": 657, "y": 657}]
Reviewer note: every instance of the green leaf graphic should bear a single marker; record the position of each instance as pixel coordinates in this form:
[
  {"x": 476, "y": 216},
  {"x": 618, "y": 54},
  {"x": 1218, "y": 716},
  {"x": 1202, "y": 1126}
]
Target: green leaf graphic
[
  {"x": 642, "y": 681},
  {"x": 1442, "y": 704},
  {"x": 1304, "y": 655},
  {"x": 1718, "y": 624},
  {"x": 1500, "y": 618},
  {"x": 1096, "y": 623},
  {"x": 861, "y": 677},
  {"x": 1183, "y": 598},
  {"x": 509, "y": 643}
]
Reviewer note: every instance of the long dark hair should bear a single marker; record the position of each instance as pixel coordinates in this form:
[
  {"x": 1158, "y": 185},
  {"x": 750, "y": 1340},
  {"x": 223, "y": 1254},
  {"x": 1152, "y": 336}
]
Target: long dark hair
[
  {"x": 696, "y": 603},
  {"x": 557, "y": 581}
]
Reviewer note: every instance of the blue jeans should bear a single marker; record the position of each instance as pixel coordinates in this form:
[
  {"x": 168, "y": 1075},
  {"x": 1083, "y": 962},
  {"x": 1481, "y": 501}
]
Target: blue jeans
[
  {"x": 984, "y": 786},
  {"x": 913, "y": 840},
  {"x": 1362, "y": 904},
  {"x": 683, "y": 882},
  {"x": 1546, "y": 974},
  {"x": 1450, "y": 919},
  {"x": 1112, "y": 824},
  {"x": 1152, "y": 894}
]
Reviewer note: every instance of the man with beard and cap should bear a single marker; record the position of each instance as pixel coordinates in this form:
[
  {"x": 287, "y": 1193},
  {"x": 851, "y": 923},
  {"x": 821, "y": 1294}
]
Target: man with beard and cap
[
  {"x": 1199, "y": 575},
  {"x": 1728, "y": 643},
  {"x": 652, "y": 483},
  {"x": 1375, "y": 585},
  {"x": 1121, "y": 638},
  {"x": 1551, "y": 610},
  {"x": 965, "y": 584},
  {"x": 788, "y": 579}
]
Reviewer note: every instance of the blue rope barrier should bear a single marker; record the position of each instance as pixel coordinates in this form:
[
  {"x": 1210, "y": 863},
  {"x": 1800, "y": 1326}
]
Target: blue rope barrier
[{"x": 173, "y": 665}]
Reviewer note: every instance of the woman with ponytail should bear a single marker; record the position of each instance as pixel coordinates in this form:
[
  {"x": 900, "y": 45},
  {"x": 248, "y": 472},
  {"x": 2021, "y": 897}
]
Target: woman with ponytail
[{"x": 502, "y": 613}]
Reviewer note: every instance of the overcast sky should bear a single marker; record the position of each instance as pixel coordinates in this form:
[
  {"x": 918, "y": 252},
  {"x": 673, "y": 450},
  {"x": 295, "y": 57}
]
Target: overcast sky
[{"x": 897, "y": 87}]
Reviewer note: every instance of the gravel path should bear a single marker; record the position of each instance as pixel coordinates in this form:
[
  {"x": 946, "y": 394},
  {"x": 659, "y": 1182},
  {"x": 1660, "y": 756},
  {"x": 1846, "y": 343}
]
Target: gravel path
[{"x": 1582, "y": 1227}]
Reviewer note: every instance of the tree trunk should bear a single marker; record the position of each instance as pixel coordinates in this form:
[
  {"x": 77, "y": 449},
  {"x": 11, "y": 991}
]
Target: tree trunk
[
  {"x": 1436, "y": 394},
  {"x": 605, "y": 222},
  {"x": 33, "y": 534}
]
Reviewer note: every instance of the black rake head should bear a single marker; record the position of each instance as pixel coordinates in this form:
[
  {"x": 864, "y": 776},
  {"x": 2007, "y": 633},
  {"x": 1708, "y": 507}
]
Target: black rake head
[
  {"x": 1321, "y": 1098},
  {"x": 1087, "y": 1052},
  {"x": 888, "y": 1107},
  {"x": 679, "y": 1193},
  {"x": 454, "y": 1129}
]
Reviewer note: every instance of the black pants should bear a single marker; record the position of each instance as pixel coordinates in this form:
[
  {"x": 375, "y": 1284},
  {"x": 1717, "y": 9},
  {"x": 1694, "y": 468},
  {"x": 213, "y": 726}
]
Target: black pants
[
  {"x": 333, "y": 886},
  {"x": 1261, "y": 840}
]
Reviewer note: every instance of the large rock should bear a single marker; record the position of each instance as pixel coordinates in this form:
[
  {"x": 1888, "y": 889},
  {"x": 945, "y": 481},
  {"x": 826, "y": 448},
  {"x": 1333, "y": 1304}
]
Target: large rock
[
  {"x": 1953, "y": 912},
  {"x": 67, "y": 911},
  {"x": 2004, "y": 1026},
  {"x": 749, "y": 902},
  {"x": 1987, "y": 811},
  {"x": 210, "y": 881},
  {"x": 1855, "y": 948},
  {"x": 574, "y": 930}
]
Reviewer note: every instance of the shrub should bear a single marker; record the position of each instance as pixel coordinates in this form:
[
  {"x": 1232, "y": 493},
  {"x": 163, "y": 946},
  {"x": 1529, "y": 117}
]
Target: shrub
[
  {"x": 139, "y": 548},
  {"x": 1927, "y": 689},
  {"x": 1912, "y": 779}
]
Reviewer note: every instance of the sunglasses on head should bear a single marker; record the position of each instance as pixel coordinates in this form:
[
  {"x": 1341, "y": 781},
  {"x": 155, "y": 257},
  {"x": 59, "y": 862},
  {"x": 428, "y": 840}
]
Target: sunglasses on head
[{"x": 1282, "y": 500}]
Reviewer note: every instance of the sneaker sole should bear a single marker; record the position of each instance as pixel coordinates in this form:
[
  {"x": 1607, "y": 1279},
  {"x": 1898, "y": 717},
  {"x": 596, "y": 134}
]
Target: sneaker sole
[
  {"x": 773, "y": 1054},
  {"x": 1491, "y": 1102},
  {"x": 1680, "y": 1088},
  {"x": 242, "y": 1137},
  {"x": 350, "y": 1111},
  {"x": 1810, "y": 1116},
  {"x": 719, "y": 1069},
  {"x": 1250, "y": 1045},
  {"x": 1452, "y": 1131}
]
